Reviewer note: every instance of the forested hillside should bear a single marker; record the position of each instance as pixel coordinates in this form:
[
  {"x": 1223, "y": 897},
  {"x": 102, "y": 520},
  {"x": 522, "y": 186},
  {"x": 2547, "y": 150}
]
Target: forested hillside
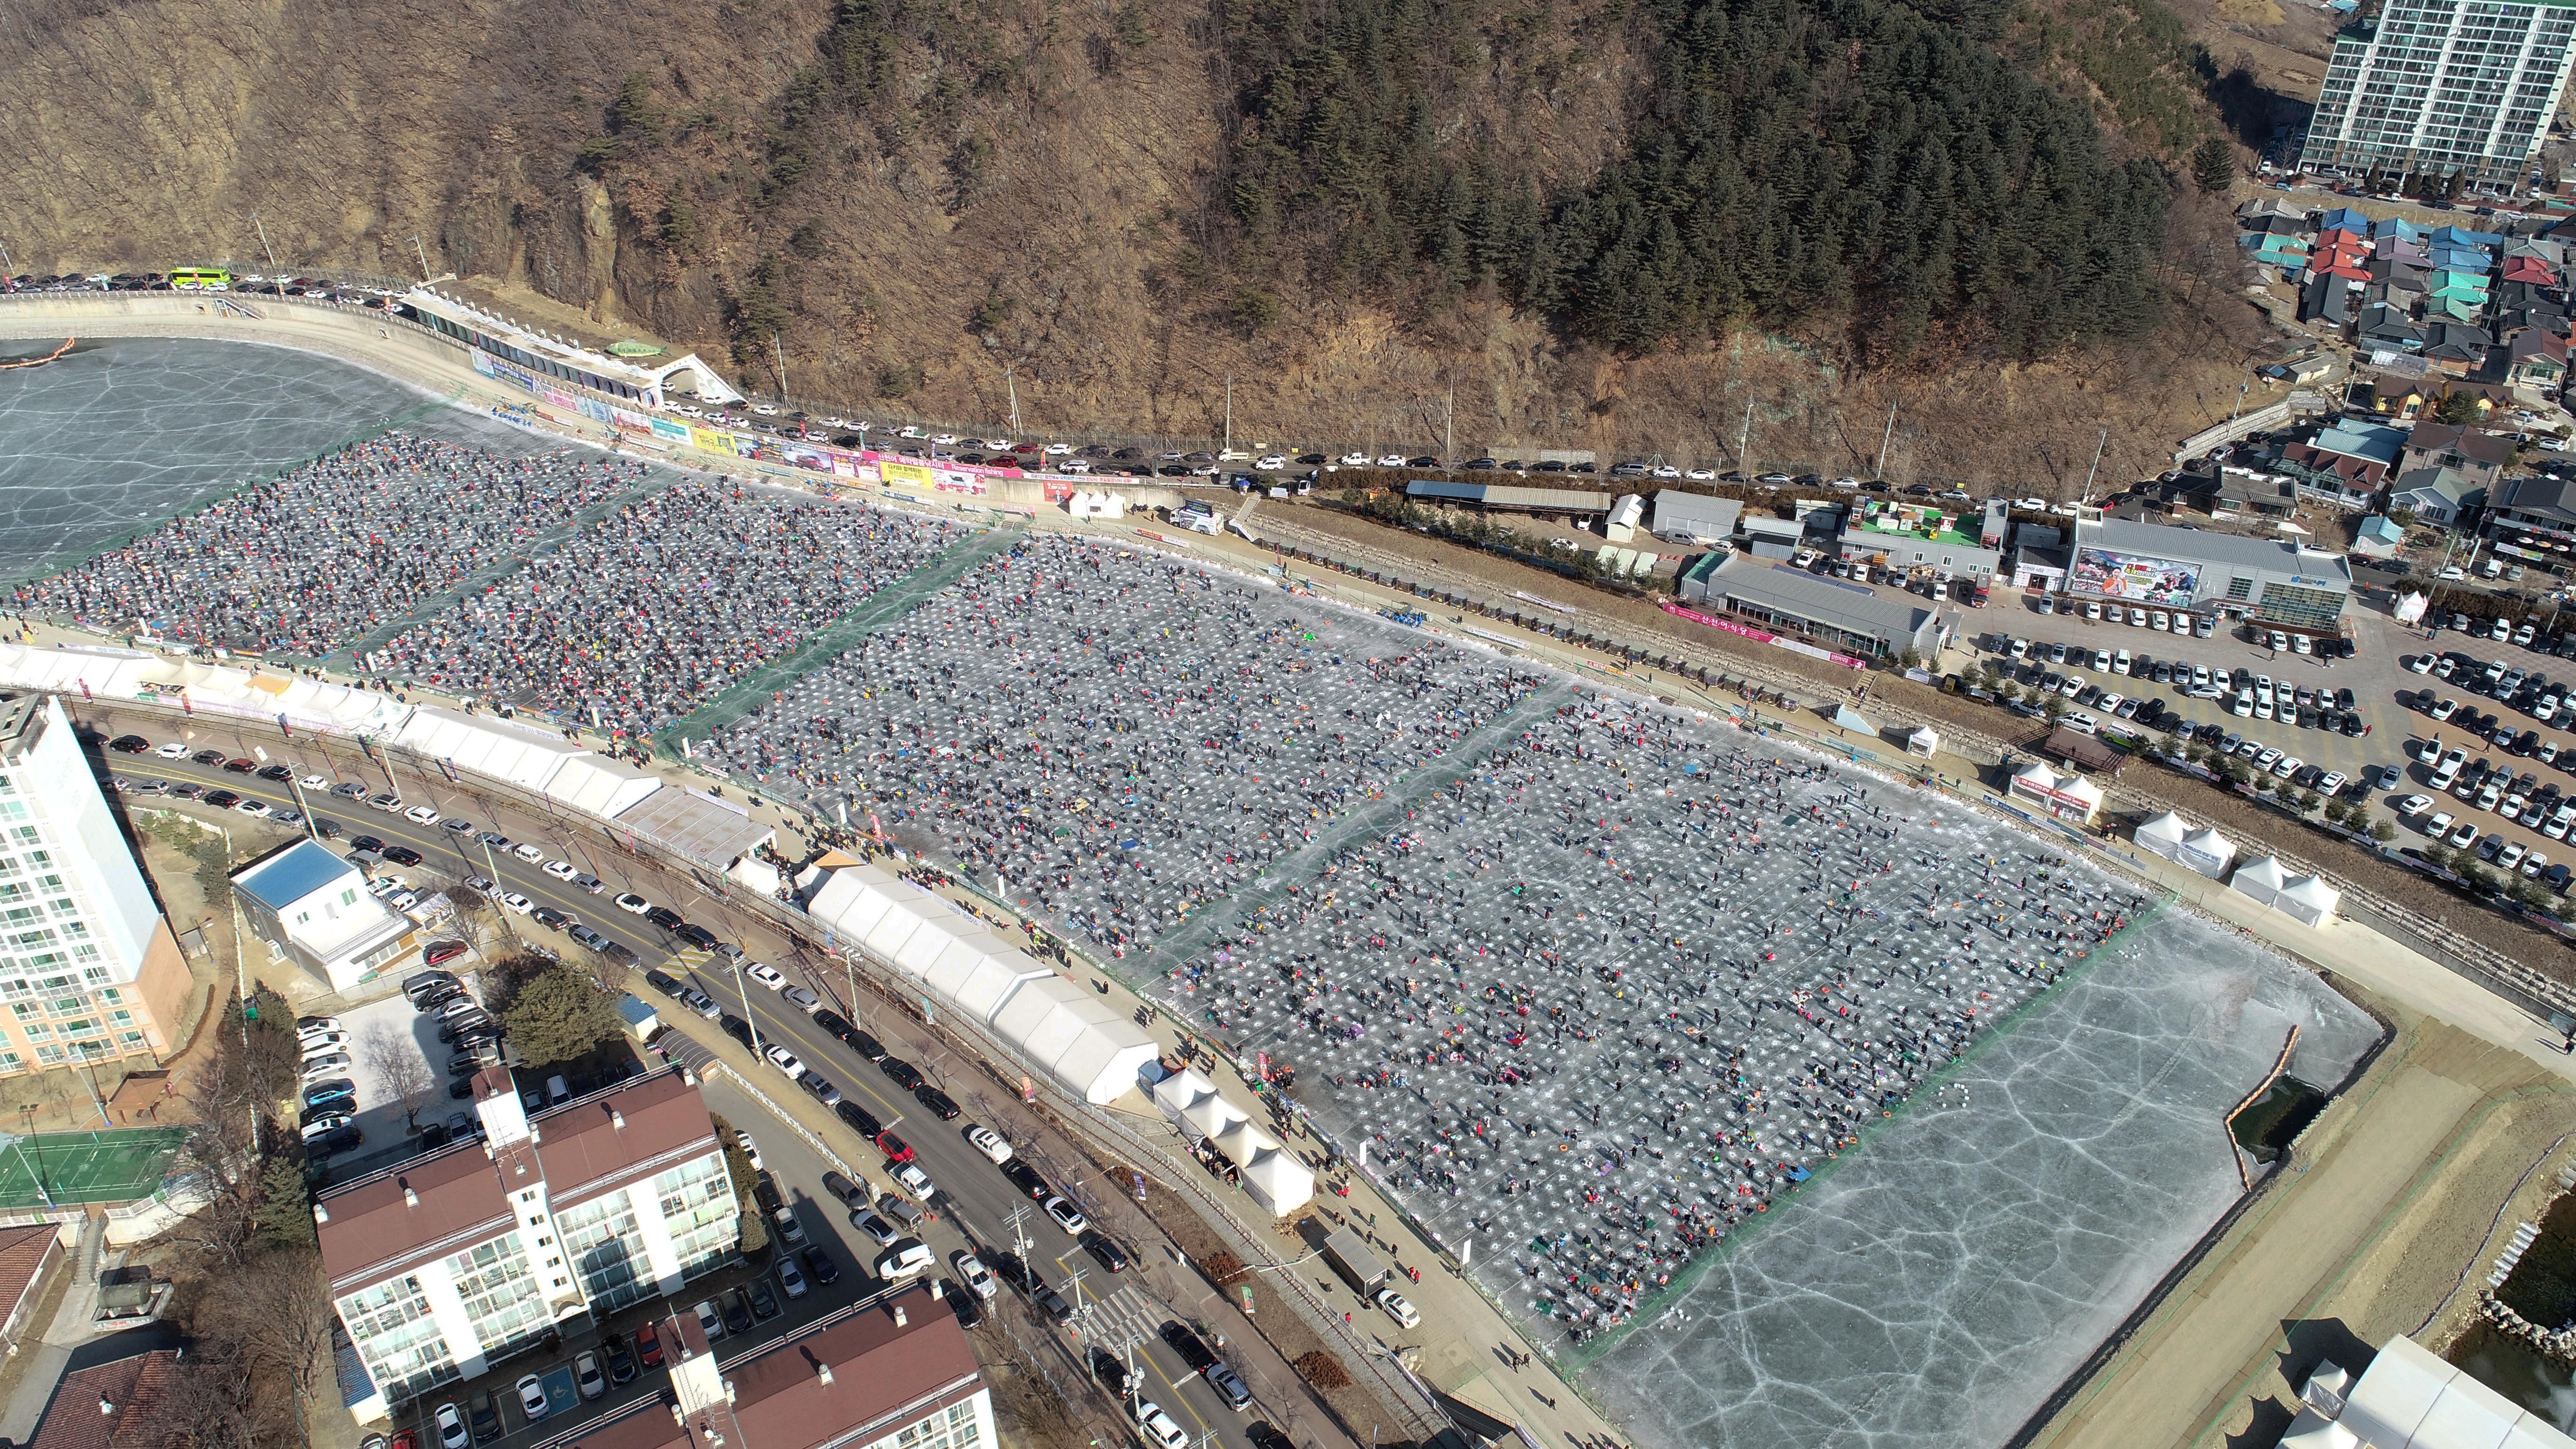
[{"x": 1627, "y": 224}]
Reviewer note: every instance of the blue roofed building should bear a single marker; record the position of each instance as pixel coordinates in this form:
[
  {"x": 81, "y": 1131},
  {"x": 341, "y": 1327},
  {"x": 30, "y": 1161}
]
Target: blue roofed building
[{"x": 314, "y": 909}]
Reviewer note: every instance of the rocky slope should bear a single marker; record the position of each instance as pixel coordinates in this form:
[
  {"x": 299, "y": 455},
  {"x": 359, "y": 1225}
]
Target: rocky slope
[{"x": 1387, "y": 221}]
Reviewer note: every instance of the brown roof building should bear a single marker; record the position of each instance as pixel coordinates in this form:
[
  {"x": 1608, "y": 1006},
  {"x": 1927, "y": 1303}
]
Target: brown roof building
[
  {"x": 113, "y": 1405},
  {"x": 454, "y": 1261},
  {"x": 893, "y": 1370},
  {"x": 28, "y": 1258}
]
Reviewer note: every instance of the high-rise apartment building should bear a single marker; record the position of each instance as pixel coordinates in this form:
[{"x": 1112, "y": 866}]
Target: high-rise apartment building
[
  {"x": 460, "y": 1258},
  {"x": 2436, "y": 89},
  {"x": 89, "y": 971}
]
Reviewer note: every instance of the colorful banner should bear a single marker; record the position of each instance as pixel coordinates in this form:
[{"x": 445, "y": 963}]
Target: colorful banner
[
  {"x": 712, "y": 440},
  {"x": 671, "y": 430},
  {"x": 1743, "y": 631},
  {"x": 907, "y": 475},
  {"x": 2134, "y": 577}
]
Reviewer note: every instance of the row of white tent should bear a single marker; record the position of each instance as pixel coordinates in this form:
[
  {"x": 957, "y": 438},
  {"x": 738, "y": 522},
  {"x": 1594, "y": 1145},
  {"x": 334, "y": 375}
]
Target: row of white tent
[
  {"x": 1271, "y": 1174},
  {"x": 537, "y": 760},
  {"x": 1052, "y": 1024},
  {"x": 2304, "y": 897}
]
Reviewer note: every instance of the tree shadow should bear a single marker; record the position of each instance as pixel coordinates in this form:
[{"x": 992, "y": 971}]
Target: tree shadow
[{"x": 2253, "y": 112}]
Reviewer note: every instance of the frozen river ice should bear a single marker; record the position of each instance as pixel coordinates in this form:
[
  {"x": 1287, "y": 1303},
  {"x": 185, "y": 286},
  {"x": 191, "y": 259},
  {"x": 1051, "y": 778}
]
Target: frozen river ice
[{"x": 126, "y": 432}]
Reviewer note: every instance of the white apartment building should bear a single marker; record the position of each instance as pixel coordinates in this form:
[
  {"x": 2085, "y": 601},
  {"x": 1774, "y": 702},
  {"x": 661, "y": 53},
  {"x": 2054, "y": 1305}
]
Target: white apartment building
[
  {"x": 456, "y": 1260},
  {"x": 313, "y": 908},
  {"x": 88, "y": 969},
  {"x": 2442, "y": 88}
]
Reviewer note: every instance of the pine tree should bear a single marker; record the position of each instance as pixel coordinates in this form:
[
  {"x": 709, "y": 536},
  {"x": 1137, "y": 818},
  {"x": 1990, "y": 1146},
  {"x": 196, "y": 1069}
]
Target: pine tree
[
  {"x": 283, "y": 1217},
  {"x": 2213, "y": 166}
]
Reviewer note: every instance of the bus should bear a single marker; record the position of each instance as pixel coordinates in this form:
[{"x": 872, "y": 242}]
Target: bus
[{"x": 200, "y": 279}]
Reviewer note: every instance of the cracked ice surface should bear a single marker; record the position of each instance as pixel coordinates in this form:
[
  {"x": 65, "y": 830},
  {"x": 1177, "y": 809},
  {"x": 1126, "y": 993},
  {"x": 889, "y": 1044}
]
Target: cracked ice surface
[
  {"x": 127, "y": 432},
  {"x": 1935, "y": 1290}
]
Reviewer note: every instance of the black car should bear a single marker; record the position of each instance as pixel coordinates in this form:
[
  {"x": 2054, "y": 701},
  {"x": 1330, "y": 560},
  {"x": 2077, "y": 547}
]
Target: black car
[
  {"x": 938, "y": 1102},
  {"x": 1265, "y": 1435},
  {"x": 401, "y": 854},
  {"x": 735, "y": 1027},
  {"x": 1104, "y": 1250},
  {"x": 860, "y": 1118},
  {"x": 697, "y": 935},
  {"x": 484, "y": 1416},
  {"x": 368, "y": 843},
  {"x": 868, "y": 1047},
  {"x": 129, "y": 744},
  {"x": 279, "y": 773},
  {"x": 764, "y": 1304},
  {"x": 737, "y": 1311},
  {"x": 1111, "y": 1373},
  {"x": 764, "y": 1191},
  {"x": 1192, "y": 1349},
  {"x": 222, "y": 799},
  {"x": 968, "y": 1308},
  {"x": 338, "y": 1139},
  {"x": 833, "y": 1022},
  {"x": 820, "y": 1267},
  {"x": 904, "y": 1073},
  {"x": 1009, "y": 1268},
  {"x": 621, "y": 1363},
  {"x": 665, "y": 983},
  {"x": 1028, "y": 1179},
  {"x": 665, "y": 917}
]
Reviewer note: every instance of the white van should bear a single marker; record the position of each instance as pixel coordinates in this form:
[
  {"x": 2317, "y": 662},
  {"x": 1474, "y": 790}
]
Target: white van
[{"x": 906, "y": 1260}]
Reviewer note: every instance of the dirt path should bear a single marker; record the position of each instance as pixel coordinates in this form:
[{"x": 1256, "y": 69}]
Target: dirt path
[{"x": 2385, "y": 1198}]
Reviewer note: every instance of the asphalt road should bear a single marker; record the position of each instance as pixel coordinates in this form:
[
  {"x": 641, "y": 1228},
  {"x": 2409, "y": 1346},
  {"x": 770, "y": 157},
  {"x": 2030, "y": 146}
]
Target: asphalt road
[{"x": 977, "y": 1208}]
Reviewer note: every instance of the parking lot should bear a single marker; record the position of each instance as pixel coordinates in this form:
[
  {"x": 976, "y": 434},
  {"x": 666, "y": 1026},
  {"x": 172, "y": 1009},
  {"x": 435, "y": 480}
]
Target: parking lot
[
  {"x": 390, "y": 1048},
  {"x": 2387, "y": 761}
]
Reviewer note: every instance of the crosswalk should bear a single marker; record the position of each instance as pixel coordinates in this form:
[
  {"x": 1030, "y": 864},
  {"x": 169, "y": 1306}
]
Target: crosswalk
[{"x": 1120, "y": 1321}]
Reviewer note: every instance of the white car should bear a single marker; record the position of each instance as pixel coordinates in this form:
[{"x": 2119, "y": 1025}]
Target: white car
[
  {"x": 532, "y": 1393},
  {"x": 252, "y": 807},
  {"x": 791, "y": 1229},
  {"x": 1398, "y": 1308},
  {"x": 1391, "y": 460},
  {"x": 451, "y": 1427},
  {"x": 318, "y": 1024},
  {"x": 915, "y": 1181},
  {"x": 330, "y": 1064},
  {"x": 422, "y": 815},
  {"x": 586, "y": 1375},
  {"x": 750, "y": 1149},
  {"x": 1066, "y": 1215},
  {"x": 562, "y": 869},
  {"x": 785, "y": 1060},
  {"x": 766, "y": 975},
  {"x": 990, "y": 1143},
  {"x": 1157, "y": 1427},
  {"x": 972, "y": 1272},
  {"x": 527, "y": 852},
  {"x": 1058, "y": 450},
  {"x": 633, "y": 904},
  {"x": 518, "y": 903},
  {"x": 171, "y": 751},
  {"x": 321, "y": 1127},
  {"x": 1271, "y": 462},
  {"x": 791, "y": 1279},
  {"x": 1353, "y": 460},
  {"x": 2419, "y": 664}
]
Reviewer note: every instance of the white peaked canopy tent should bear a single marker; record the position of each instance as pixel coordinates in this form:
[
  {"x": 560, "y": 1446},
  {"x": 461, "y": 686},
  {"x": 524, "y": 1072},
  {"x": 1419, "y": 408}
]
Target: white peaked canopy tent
[
  {"x": 2161, "y": 834},
  {"x": 1923, "y": 742},
  {"x": 1181, "y": 1091},
  {"x": 2206, "y": 851},
  {"x": 1277, "y": 1180},
  {"x": 524, "y": 757},
  {"x": 1213, "y": 1118},
  {"x": 599, "y": 784},
  {"x": 2261, "y": 879},
  {"x": 2409, "y": 608},
  {"x": 2311, "y": 900}
]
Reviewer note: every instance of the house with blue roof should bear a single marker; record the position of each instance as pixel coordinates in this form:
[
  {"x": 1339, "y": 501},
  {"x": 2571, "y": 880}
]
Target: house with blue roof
[
  {"x": 2396, "y": 226},
  {"x": 2461, "y": 236},
  {"x": 314, "y": 909}
]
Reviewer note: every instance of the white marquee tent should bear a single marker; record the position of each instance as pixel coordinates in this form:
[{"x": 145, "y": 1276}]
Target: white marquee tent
[
  {"x": 2261, "y": 879},
  {"x": 2311, "y": 900},
  {"x": 2206, "y": 851},
  {"x": 2161, "y": 834}
]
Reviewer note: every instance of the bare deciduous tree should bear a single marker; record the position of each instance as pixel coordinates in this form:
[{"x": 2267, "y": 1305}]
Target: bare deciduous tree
[{"x": 396, "y": 1061}]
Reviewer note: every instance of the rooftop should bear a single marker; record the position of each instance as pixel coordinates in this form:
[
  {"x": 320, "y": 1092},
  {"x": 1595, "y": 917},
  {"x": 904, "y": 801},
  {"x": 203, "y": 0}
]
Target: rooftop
[
  {"x": 113, "y": 1405},
  {"x": 291, "y": 874},
  {"x": 882, "y": 1376},
  {"x": 22, "y": 723},
  {"x": 709, "y": 832},
  {"x": 1851, "y": 607},
  {"x": 2164, "y": 540},
  {"x": 453, "y": 1199}
]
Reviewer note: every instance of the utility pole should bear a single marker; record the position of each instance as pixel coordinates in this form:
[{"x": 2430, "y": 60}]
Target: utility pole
[
  {"x": 8, "y": 270},
  {"x": 750, "y": 1018},
  {"x": 492, "y": 896},
  {"x": 1228, "y": 445},
  {"x": 1744, "y": 441},
  {"x": 778, "y": 351},
  {"x": 265, "y": 248},
  {"x": 421, "y": 252},
  {"x": 1449, "y": 428},
  {"x": 1885, "y": 438},
  {"x": 2098, "y": 449},
  {"x": 1010, "y": 380},
  {"x": 241, "y": 979}
]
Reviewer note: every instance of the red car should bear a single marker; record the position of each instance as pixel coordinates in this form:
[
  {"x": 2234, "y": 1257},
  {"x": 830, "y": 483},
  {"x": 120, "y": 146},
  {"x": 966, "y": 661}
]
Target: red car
[
  {"x": 240, "y": 767},
  {"x": 897, "y": 1150},
  {"x": 441, "y": 952},
  {"x": 648, "y": 1345}
]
